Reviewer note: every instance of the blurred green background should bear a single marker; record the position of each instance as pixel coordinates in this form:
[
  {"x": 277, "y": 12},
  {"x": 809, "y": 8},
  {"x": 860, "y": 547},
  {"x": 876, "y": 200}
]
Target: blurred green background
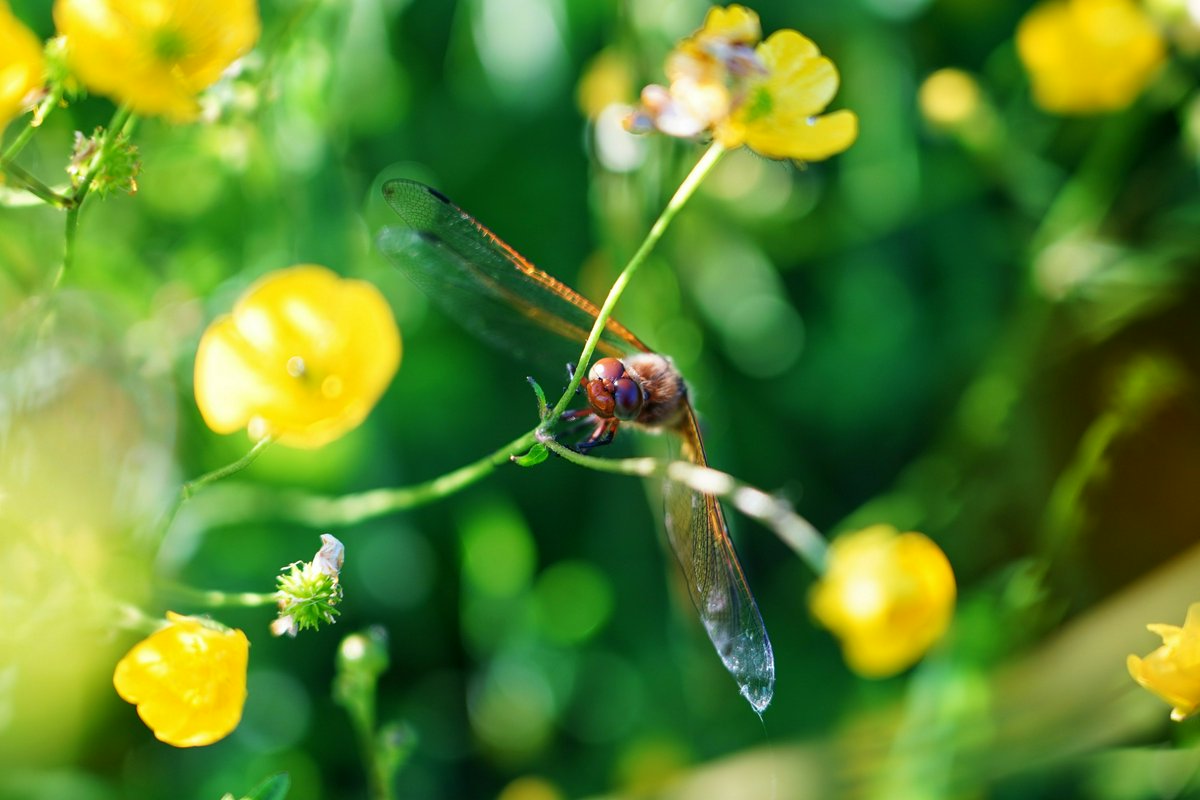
[{"x": 988, "y": 336}]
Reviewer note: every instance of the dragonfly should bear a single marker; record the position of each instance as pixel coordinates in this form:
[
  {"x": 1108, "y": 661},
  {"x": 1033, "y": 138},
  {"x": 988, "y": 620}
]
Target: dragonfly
[{"x": 494, "y": 292}]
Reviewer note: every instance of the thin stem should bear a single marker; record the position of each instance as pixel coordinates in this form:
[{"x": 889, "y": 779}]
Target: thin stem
[
  {"x": 236, "y": 502},
  {"x": 213, "y": 599},
  {"x": 122, "y": 120},
  {"x": 131, "y": 618},
  {"x": 48, "y": 104},
  {"x": 678, "y": 200},
  {"x": 351, "y": 509},
  {"x": 778, "y": 515},
  {"x": 196, "y": 484},
  {"x": 35, "y": 187}
]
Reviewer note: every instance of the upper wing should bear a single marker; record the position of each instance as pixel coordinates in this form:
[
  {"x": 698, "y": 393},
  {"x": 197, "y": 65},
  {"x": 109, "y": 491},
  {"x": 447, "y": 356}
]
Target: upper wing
[
  {"x": 486, "y": 285},
  {"x": 697, "y": 531}
]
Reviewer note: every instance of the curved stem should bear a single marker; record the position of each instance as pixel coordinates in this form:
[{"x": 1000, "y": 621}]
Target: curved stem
[
  {"x": 773, "y": 512},
  {"x": 237, "y": 503},
  {"x": 681, "y": 196},
  {"x": 196, "y": 484}
]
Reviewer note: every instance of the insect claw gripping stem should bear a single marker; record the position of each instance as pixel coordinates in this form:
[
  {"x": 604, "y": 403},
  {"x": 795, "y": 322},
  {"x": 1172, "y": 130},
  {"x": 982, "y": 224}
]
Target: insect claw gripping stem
[{"x": 601, "y": 435}]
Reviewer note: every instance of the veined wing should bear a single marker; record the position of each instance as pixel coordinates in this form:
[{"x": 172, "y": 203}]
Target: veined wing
[
  {"x": 700, "y": 538},
  {"x": 488, "y": 286},
  {"x": 498, "y": 295}
]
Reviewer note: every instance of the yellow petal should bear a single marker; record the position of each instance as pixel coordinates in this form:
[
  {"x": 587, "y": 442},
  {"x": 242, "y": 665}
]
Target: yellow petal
[
  {"x": 187, "y": 680},
  {"x": 735, "y": 24},
  {"x": 1088, "y": 56},
  {"x": 22, "y": 66},
  {"x": 304, "y": 357},
  {"x": 888, "y": 597},
  {"x": 810, "y": 139},
  {"x": 802, "y": 82},
  {"x": 155, "y": 55}
]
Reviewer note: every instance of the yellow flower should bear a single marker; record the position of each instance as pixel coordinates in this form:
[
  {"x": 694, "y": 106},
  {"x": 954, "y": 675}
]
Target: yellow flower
[
  {"x": 887, "y": 596},
  {"x": 765, "y": 96},
  {"x": 779, "y": 118},
  {"x": 949, "y": 98},
  {"x": 188, "y": 680},
  {"x": 303, "y": 358},
  {"x": 1173, "y": 671},
  {"x": 155, "y": 55},
  {"x": 1088, "y": 56},
  {"x": 22, "y": 67},
  {"x": 731, "y": 25}
]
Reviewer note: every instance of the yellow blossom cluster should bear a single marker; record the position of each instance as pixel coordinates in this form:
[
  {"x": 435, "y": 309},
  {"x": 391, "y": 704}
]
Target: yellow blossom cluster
[{"x": 766, "y": 95}]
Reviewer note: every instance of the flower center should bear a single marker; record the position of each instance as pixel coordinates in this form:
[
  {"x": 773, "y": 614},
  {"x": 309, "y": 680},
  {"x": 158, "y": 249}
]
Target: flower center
[
  {"x": 169, "y": 45},
  {"x": 296, "y": 367},
  {"x": 759, "y": 104}
]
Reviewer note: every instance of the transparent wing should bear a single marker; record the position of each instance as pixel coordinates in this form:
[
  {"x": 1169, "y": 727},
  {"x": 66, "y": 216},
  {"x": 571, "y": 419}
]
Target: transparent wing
[
  {"x": 486, "y": 285},
  {"x": 492, "y": 291},
  {"x": 700, "y": 538}
]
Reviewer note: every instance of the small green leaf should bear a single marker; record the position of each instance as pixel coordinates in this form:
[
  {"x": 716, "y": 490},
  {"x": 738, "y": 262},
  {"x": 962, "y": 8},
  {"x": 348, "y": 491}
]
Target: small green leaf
[
  {"x": 273, "y": 788},
  {"x": 536, "y": 455},
  {"x": 543, "y": 409}
]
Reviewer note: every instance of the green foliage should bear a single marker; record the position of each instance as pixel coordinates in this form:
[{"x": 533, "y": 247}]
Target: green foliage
[{"x": 985, "y": 333}]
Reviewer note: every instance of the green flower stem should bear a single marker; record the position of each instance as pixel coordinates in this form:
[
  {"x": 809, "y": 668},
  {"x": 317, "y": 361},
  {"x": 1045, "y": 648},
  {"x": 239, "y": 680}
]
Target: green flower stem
[
  {"x": 350, "y": 509},
  {"x": 776, "y": 514},
  {"x": 43, "y": 109},
  {"x": 235, "y": 503},
  {"x": 34, "y": 186},
  {"x": 196, "y": 484},
  {"x": 122, "y": 122},
  {"x": 1087, "y": 196},
  {"x": 209, "y": 598},
  {"x": 27, "y": 180},
  {"x": 681, "y": 196}
]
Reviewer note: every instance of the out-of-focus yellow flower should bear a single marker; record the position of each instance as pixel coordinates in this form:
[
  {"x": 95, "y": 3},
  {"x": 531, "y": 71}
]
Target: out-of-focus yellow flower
[
  {"x": 767, "y": 96},
  {"x": 887, "y": 596},
  {"x": 188, "y": 680},
  {"x": 949, "y": 97},
  {"x": 1089, "y": 56},
  {"x": 303, "y": 358},
  {"x": 1173, "y": 671},
  {"x": 155, "y": 55},
  {"x": 607, "y": 80},
  {"x": 22, "y": 66}
]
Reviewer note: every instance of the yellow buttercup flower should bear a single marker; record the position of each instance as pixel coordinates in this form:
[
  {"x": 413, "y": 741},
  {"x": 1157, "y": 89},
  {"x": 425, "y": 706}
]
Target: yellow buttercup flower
[
  {"x": 303, "y": 358},
  {"x": 1173, "y": 670},
  {"x": 188, "y": 680},
  {"x": 949, "y": 98},
  {"x": 22, "y": 67},
  {"x": 779, "y": 117},
  {"x": 888, "y": 597},
  {"x": 1088, "y": 56},
  {"x": 724, "y": 26},
  {"x": 767, "y": 96},
  {"x": 155, "y": 55}
]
